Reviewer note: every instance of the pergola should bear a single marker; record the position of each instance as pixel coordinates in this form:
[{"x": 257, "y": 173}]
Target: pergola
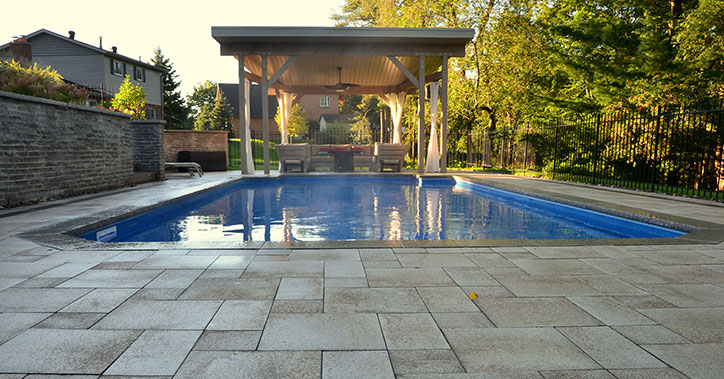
[{"x": 298, "y": 61}]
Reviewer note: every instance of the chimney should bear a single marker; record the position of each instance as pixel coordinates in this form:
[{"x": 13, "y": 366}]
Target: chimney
[
  {"x": 100, "y": 44},
  {"x": 71, "y": 34},
  {"x": 21, "y": 51},
  {"x": 114, "y": 50}
]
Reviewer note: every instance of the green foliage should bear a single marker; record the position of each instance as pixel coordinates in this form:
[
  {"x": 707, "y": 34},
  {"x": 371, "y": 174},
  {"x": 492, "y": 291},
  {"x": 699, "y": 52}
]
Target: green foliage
[
  {"x": 360, "y": 131},
  {"x": 204, "y": 120},
  {"x": 222, "y": 113},
  {"x": 204, "y": 93},
  {"x": 39, "y": 82},
  {"x": 297, "y": 125},
  {"x": 333, "y": 134},
  {"x": 176, "y": 112},
  {"x": 130, "y": 100}
]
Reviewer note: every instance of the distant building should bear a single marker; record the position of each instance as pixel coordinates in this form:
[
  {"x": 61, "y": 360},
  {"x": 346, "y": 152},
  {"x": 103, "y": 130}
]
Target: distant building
[
  {"x": 331, "y": 120},
  {"x": 100, "y": 72},
  {"x": 313, "y": 105}
]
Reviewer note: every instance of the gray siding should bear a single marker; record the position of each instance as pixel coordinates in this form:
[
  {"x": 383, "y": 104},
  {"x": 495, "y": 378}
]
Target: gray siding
[
  {"x": 45, "y": 44},
  {"x": 152, "y": 85},
  {"x": 84, "y": 69}
]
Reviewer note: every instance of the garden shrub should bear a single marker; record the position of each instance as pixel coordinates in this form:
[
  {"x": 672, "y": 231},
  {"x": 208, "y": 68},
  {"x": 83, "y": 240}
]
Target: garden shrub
[{"x": 38, "y": 82}]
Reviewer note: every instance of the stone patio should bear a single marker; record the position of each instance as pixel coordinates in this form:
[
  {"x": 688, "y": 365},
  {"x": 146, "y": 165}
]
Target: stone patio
[{"x": 585, "y": 309}]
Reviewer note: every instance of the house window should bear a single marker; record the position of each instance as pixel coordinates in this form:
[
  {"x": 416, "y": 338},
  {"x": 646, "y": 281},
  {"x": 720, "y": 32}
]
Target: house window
[
  {"x": 151, "y": 113},
  {"x": 324, "y": 101},
  {"x": 139, "y": 73},
  {"x": 118, "y": 68}
]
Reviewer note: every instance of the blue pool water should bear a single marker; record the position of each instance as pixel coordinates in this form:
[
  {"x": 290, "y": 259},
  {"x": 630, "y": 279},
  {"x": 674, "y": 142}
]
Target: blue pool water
[{"x": 364, "y": 208}]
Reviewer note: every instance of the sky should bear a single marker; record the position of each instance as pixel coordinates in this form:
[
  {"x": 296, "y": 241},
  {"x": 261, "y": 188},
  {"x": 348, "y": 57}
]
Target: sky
[{"x": 181, "y": 28}]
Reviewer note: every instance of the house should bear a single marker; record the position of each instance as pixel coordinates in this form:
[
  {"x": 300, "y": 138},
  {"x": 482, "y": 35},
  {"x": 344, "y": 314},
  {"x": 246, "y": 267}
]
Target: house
[
  {"x": 100, "y": 72},
  {"x": 332, "y": 120},
  {"x": 314, "y": 106}
]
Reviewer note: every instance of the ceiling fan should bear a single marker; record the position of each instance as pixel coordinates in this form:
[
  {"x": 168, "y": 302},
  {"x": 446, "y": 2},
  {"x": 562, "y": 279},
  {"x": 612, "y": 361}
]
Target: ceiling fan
[{"x": 340, "y": 87}]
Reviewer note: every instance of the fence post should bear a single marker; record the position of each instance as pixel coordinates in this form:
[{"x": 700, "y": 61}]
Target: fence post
[
  {"x": 595, "y": 150},
  {"x": 555, "y": 151},
  {"x": 656, "y": 149}
]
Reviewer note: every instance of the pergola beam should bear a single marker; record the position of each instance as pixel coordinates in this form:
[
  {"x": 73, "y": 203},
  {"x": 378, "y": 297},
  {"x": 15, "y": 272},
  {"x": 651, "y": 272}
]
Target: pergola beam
[
  {"x": 407, "y": 85},
  {"x": 281, "y": 70},
  {"x": 412, "y": 78}
]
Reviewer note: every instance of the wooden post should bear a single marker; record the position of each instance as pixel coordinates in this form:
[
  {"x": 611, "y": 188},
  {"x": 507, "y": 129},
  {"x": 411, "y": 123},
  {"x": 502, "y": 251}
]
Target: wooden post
[
  {"x": 421, "y": 114},
  {"x": 443, "y": 136},
  {"x": 265, "y": 111},
  {"x": 242, "y": 116}
]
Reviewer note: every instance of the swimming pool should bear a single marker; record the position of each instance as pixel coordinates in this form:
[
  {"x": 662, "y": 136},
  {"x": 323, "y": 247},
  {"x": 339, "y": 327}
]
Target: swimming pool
[{"x": 366, "y": 208}]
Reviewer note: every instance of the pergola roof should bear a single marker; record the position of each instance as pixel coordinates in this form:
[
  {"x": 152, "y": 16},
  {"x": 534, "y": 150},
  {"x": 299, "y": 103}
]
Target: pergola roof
[{"x": 361, "y": 52}]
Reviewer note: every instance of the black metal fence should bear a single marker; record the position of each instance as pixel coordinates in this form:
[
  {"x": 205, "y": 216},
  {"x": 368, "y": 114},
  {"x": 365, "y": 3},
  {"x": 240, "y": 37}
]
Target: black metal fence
[{"x": 671, "y": 151}]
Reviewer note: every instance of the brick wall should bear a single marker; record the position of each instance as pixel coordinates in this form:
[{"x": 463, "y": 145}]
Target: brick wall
[
  {"x": 257, "y": 127},
  {"x": 50, "y": 150},
  {"x": 194, "y": 140},
  {"x": 148, "y": 151}
]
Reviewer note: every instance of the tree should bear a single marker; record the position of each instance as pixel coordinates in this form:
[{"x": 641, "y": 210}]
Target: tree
[
  {"x": 130, "y": 99},
  {"x": 204, "y": 93},
  {"x": 297, "y": 125},
  {"x": 204, "y": 121},
  {"x": 175, "y": 111},
  {"x": 221, "y": 115}
]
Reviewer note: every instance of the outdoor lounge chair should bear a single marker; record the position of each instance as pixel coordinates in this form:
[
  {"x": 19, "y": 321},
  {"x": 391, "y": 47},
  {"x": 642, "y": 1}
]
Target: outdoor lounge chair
[
  {"x": 293, "y": 155},
  {"x": 390, "y": 155},
  {"x": 321, "y": 157},
  {"x": 192, "y": 167}
]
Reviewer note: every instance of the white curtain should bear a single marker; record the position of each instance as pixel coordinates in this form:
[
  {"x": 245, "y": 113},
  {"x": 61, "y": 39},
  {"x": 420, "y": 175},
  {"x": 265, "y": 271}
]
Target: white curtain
[
  {"x": 395, "y": 101},
  {"x": 284, "y": 99},
  {"x": 249, "y": 161},
  {"x": 432, "y": 163}
]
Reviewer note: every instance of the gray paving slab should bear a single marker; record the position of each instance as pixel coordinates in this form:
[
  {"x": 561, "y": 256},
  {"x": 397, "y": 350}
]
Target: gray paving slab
[
  {"x": 161, "y": 314},
  {"x": 71, "y": 320},
  {"x": 221, "y": 274},
  {"x": 343, "y": 269},
  {"x": 235, "y": 340},
  {"x": 381, "y": 264},
  {"x": 487, "y": 374},
  {"x": 231, "y": 262},
  {"x": 699, "y": 325},
  {"x": 231, "y": 289},
  {"x": 38, "y": 299},
  {"x": 678, "y": 257},
  {"x": 435, "y": 260},
  {"x": 407, "y": 362},
  {"x": 241, "y": 315},
  {"x": 377, "y": 255},
  {"x": 297, "y": 306},
  {"x": 157, "y": 294},
  {"x": 610, "y": 311},
  {"x": 547, "y": 286},
  {"x": 688, "y": 295},
  {"x": 175, "y": 279},
  {"x": 155, "y": 352},
  {"x": 408, "y": 277},
  {"x": 552, "y": 267},
  {"x": 325, "y": 255},
  {"x": 648, "y": 373},
  {"x": 644, "y": 302},
  {"x": 322, "y": 332},
  {"x": 411, "y": 331},
  {"x": 488, "y": 291},
  {"x": 649, "y": 334},
  {"x": 446, "y": 299},
  {"x": 356, "y": 364},
  {"x": 491, "y": 260},
  {"x": 558, "y": 252},
  {"x": 470, "y": 276},
  {"x": 67, "y": 270},
  {"x": 528, "y": 312},
  {"x": 610, "y": 349},
  {"x": 577, "y": 374},
  {"x": 9, "y": 282},
  {"x": 251, "y": 365},
  {"x": 25, "y": 269},
  {"x": 372, "y": 300},
  {"x": 63, "y": 351},
  {"x": 683, "y": 274},
  {"x": 345, "y": 282},
  {"x": 295, "y": 269},
  {"x": 535, "y": 349},
  {"x": 609, "y": 285},
  {"x": 301, "y": 289},
  {"x": 177, "y": 262},
  {"x": 462, "y": 320},
  {"x": 12, "y": 324},
  {"x": 694, "y": 360},
  {"x": 101, "y": 300},
  {"x": 111, "y": 279}
]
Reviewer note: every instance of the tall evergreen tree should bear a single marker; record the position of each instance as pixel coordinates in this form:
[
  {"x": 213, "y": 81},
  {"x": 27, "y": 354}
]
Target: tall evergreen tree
[
  {"x": 221, "y": 115},
  {"x": 175, "y": 110}
]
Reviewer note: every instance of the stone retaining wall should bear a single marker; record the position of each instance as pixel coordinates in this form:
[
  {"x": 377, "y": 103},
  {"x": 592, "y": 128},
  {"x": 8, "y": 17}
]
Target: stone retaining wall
[
  {"x": 50, "y": 150},
  {"x": 148, "y": 142}
]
